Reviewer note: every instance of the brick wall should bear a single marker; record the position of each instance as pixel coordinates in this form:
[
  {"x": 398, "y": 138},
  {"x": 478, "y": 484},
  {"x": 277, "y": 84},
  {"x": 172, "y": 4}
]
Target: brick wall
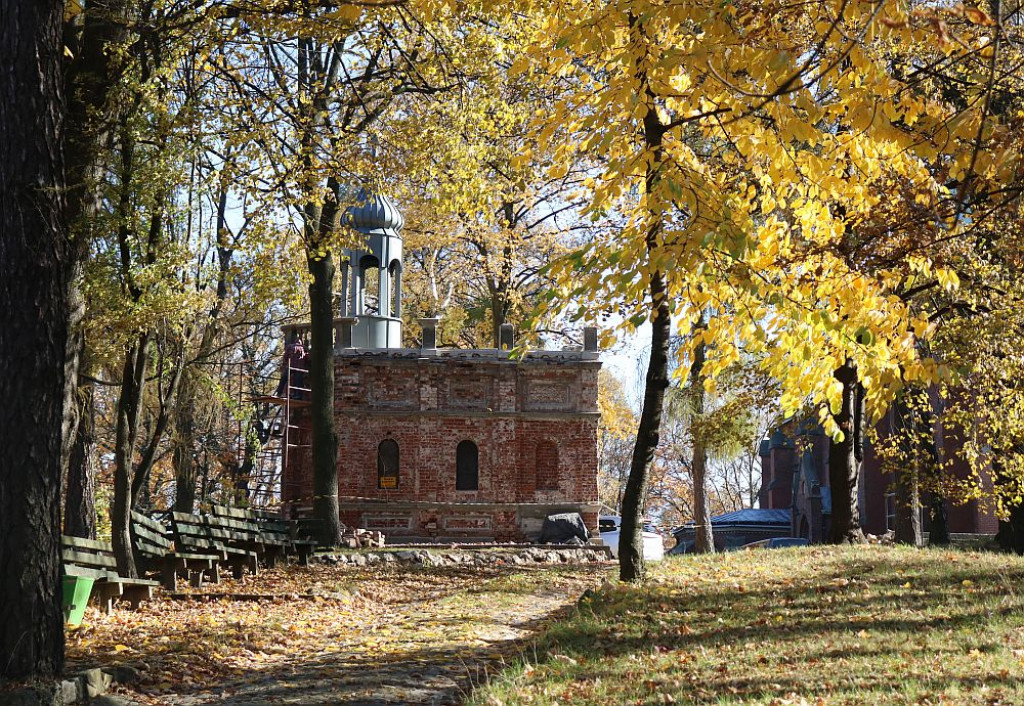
[{"x": 534, "y": 424}]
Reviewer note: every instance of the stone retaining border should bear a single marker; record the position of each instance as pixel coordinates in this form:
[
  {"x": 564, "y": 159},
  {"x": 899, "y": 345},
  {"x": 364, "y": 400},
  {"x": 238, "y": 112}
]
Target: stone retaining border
[{"x": 551, "y": 554}]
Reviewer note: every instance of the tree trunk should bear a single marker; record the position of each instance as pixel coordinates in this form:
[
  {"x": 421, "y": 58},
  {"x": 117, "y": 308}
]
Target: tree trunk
[
  {"x": 1011, "y": 531},
  {"x": 72, "y": 403},
  {"x": 938, "y": 534},
  {"x": 244, "y": 490},
  {"x": 92, "y": 73},
  {"x": 129, "y": 406},
  {"x": 844, "y": 462},
  {"x": 183, "y": 454},
  {"x": 321, "y": 378},
  {"x": 631, "y": 556},
  {"x": 499, "y": 305},
  {"x": 908, "y": 503},
  {"x": 34, "y": 274},
  {"x": 80, "y": 502},
  {"x": 705, "y": 540},
  {"x": 167, "y": 399},
  {"x": 908, "y": 474},
  {"x": 631, "y": 562}
]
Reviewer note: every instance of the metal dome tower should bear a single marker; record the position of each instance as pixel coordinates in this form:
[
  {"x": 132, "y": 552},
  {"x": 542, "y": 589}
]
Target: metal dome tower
[{"x": 371, "y": 279}]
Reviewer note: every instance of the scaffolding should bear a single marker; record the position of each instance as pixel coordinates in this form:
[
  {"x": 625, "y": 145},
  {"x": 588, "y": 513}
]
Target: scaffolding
[{"x": 288, "y": 433}]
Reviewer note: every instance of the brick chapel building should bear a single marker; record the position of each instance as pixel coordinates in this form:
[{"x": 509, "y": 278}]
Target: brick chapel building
[
  {"x": 446, "y": 444},
  {"x": 794, "y": 476}
]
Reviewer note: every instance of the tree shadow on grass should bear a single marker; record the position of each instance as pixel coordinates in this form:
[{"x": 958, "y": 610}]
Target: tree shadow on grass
[{"x": 792, "y": 634}]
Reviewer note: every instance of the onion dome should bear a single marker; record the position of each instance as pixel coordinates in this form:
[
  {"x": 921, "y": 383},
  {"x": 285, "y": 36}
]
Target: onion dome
[{"x": 373, "y": 212}]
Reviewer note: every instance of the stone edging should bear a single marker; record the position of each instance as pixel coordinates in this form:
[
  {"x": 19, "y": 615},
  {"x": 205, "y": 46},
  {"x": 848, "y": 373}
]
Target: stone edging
[{"x": 455, "y": 557}]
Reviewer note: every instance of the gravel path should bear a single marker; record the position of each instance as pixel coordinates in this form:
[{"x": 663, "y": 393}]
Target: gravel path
[{"x": 430, "y": 650}]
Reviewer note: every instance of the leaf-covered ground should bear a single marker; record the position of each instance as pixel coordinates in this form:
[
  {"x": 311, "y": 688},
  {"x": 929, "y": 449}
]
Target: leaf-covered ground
[
  {"x": 824, "y": 625},
  {"x": 331, "y": 635}
]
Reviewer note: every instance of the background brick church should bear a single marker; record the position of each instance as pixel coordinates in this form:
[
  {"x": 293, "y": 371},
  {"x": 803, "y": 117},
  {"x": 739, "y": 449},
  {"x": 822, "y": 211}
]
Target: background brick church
[
  {"x": 446, "y": 444},
  {"x": 794, "y": 477}
]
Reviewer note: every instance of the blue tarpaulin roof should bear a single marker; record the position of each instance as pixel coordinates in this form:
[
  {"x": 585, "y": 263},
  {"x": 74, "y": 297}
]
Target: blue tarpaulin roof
[
  {"x": 755, "y": 516},
  {"x": 750, "y": 518}
]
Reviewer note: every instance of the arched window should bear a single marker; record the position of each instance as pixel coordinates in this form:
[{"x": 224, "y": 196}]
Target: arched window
[
  {"x": 346, "y": 293},
  {"x": 547, "y": 465},
  {"x": 387, "y": 465},
  {"x": 369, "y": 283},
  {"x": 395, "y": 269},
  {"x": 467, "y": 466}
]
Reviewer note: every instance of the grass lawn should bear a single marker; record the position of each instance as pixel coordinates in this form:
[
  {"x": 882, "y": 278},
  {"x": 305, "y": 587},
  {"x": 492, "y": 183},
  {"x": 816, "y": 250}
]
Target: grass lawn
[{"x": 821, "y": 625}]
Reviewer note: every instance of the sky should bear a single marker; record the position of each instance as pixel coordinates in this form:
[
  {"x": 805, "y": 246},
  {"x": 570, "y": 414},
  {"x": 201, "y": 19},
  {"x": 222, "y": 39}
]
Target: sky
[{"x": 627, "y": 361}]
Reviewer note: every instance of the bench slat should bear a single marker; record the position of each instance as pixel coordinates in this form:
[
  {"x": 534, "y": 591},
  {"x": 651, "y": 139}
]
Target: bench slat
[
  {"x": 226, "y": 511},
  {"x": 73, "y": 556},
  {"x": 148, "y": 522},
  {"x": 82, "y": 543},
  {"x": 144, "y": 533}
]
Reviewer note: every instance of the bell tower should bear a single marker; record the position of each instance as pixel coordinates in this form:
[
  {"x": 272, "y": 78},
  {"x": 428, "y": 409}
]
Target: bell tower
[{"x": 371, "y": 278}]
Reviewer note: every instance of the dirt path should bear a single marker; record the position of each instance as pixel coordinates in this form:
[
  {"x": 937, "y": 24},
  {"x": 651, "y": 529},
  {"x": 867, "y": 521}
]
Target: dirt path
[{"x": 404, "y": 636}]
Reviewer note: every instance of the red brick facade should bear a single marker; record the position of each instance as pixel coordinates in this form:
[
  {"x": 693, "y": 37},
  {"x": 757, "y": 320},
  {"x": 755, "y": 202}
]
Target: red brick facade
[
  {"x": 797, "y": 455},
  {"x": 533, "y": 424}
]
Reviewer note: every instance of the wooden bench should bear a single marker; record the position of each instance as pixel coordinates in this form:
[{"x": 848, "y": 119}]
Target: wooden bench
[
  {"x": 95, "y": 559},
  {"x": 282, "y": 531},
  {"x": 243, "y": 530},
  {"x": 154, "y": 552},
  {"x": 306, "y": 527},
  {"x": 201, "y": 534}
]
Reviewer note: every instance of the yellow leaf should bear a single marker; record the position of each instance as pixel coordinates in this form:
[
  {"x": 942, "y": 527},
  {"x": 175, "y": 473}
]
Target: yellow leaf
[{"x": 978, "y": 17}]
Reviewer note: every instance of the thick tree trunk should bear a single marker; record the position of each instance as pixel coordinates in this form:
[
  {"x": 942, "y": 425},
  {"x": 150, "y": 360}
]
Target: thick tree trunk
[
  {"x": 321, "y": 378},
  {"x": 844, "y": 459},
  {"x": 908, "y": 504},
  {"x": 908, "y": 475},
  {"x": 705, "y": 539},
  {"x": 80, "y": 502},
  {"x": 34, "y": 274}
]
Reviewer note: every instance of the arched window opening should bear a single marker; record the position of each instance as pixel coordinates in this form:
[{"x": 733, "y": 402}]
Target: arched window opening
[
  {"x": 345, "y": 295},
  {"x": 387, "y": 465},
  {"x": 467, "y": 466},
  {"x": 547, "y": 465},
  {"x": 369, "y": 281},
  {"x": 396, "y": 288}
]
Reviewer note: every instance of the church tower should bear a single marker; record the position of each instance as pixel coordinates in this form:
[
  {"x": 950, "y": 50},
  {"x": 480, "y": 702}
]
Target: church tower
[{"x": 371, "y": 278}]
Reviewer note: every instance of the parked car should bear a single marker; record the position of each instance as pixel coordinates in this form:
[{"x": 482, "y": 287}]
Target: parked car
[{"x": 610, "y": 527}]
